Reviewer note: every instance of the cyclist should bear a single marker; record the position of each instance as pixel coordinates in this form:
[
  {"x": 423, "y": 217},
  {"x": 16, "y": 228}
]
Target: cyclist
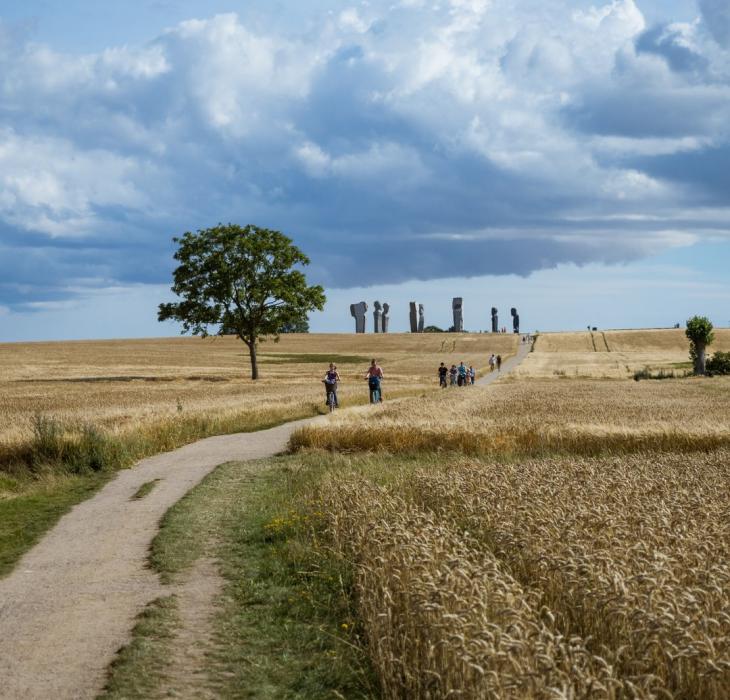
[
  {"x": 331, "y": 378},
  {"x": 375, "y": 379},
  {"x": 443, "y": 371}
]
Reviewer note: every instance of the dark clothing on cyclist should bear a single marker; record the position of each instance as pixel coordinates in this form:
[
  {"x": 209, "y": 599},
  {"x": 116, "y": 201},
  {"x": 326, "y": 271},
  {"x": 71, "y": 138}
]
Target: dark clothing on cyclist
[{"x": 443, "y": 371}]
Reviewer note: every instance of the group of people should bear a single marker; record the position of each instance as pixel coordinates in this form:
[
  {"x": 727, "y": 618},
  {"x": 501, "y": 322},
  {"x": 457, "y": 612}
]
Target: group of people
[
  {"x": 374, "y": 375},
  {"x": 495, "y": 361},
  {"x": 460, "y": 375},
  {"x": 456, "y": 375}
]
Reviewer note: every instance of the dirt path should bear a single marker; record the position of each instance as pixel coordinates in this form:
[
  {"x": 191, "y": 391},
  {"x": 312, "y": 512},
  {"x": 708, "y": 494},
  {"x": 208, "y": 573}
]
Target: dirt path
[
  {"x": 523, "y": 350},
  {"x": 71, "y": 601}
]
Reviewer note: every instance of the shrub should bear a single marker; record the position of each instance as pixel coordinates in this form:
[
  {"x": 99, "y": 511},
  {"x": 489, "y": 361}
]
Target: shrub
[{"x": 719, "y": 363}]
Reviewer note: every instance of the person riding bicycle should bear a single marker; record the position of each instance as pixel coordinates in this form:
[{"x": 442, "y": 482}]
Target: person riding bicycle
[
  {"x": 375, "y": 378},
  {"x": 331, "y": 378}
]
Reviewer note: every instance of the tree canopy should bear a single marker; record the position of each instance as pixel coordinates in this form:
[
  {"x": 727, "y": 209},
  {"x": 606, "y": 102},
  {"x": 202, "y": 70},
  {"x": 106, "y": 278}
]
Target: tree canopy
[
  {"x": 700, "y": 333},
  {"x": 241, "y": 280}
]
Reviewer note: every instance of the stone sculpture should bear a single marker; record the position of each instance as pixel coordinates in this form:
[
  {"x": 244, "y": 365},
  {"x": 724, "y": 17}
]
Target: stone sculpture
[
  {"x": 456, "y": 305},
  {"x": 385, "y": 319},
  {"x": 420, "y": 318},
  {"x": 495, "y": 320},
  {"x": 515, "y": 320},
  {"x": 377, "y": 315},
  {"x": 358, "y": 312},
  {"x": 414, "y": 317}
]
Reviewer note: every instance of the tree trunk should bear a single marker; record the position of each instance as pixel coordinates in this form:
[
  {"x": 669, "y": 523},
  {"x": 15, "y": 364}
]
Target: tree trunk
[
  {"x": 700, "y": 359},
  {"x": 254, "y": 363}
]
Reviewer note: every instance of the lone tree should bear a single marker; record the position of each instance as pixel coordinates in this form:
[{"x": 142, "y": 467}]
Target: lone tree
[
  {"x": 699, "y": 332},
  {"x": 241, "y": 280}
]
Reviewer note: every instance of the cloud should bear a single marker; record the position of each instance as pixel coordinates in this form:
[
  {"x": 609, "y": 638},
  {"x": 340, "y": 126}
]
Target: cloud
[
  {"x": 716, "y": 15},
  {"x": 393, "y": 141}
]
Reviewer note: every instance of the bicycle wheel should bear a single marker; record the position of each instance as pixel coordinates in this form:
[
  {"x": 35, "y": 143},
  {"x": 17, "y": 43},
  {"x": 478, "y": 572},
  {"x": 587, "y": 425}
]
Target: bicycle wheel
[{"x": 331, "y": 401}]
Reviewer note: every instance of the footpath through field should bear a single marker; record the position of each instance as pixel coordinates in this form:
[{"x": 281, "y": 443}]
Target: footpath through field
[
  {"x": 523, "y": 350},
  {"x": 71, "y": 602}
]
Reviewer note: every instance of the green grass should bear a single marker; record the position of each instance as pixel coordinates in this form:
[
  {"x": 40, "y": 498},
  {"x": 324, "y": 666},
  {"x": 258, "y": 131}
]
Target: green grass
[
  {"x": 285, "y": 627},
  {"x": 139, "y": 667},
  {"x": 64, "y": 465},
  {"x": 26, "y": 517},
  {"x": 145, "y": 489}
]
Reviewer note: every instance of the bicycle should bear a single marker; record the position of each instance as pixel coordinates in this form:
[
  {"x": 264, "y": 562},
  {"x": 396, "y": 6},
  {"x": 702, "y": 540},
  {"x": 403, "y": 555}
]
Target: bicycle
[
  {"x": 375, "y": 395},
  {"x": 331, "y": 395}
]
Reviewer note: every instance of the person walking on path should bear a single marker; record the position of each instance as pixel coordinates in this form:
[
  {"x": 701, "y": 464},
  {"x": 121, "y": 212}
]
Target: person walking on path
[
  {"x": 375, "y": 377},
  {"x": 492, "y": 362},
  {"x": 452, "y": 375},
  {"x": 472, "y": 375},
  {"x": 499, "y": 363},
  {"x": 443, "y": 371}
]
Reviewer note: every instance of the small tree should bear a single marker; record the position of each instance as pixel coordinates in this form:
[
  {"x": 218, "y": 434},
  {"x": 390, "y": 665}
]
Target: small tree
[
  {"x": 699, "y": 332},
  {"x": 241, "y": 280}
]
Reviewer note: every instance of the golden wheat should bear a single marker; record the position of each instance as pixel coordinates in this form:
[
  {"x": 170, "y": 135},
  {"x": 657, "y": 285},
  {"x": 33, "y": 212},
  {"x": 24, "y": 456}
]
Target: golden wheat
[
  {"x": 129, "y": 385},
  {"x": 611, "y": 354},
  {"x": 600, "y": 578},
  {"x": 581, "y": 416}
]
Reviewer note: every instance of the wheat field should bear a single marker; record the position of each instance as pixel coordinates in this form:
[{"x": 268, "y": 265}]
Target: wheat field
[
  {"x": 611, "y": 354},
  {"x": 126, "y": 386},
  {"x": 541, "y": 416},
  {"x": 548, "y": 536},
  {"x": 601, "y": 578}
]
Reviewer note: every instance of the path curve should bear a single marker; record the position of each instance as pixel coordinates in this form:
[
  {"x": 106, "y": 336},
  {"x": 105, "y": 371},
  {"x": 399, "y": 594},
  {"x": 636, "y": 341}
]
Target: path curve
[{"x": 70, "y": 603}]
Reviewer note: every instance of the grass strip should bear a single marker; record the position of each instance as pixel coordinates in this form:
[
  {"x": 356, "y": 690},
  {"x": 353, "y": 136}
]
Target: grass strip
[
  {"x": 25, "y": 518},
  {"x": 285, "y": 627},
  {"x": 139, "y": 667},
  {"x": 145, "y": 489}
]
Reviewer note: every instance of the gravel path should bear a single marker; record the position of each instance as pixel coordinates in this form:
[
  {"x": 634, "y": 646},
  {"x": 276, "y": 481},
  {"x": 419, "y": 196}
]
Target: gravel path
[
  {"x": 70, "y": 603},
  {"x": 523, "y": 350}
]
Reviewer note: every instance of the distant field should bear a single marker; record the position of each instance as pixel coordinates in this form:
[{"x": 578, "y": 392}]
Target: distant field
[
  {"x": 126, "y": 386},
  {"x": 542, "y": 416},
  {"x": 611, "y": 354}
]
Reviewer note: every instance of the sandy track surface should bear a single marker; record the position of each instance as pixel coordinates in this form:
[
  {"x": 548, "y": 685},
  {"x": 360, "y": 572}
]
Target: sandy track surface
[
  {"x": 70, "y": 603},
  {"x": 522, "y": 351}
]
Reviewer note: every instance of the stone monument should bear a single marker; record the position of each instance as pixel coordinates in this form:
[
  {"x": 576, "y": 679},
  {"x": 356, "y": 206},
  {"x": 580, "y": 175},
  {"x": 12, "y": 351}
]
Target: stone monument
[
  {"x": 515, "y": 320},
  {"x": 495, "y": 320},
  {"x": 414, "y": 317},
  {"x": 377, "y": 315},
  {"x": 458, "y": 317},
  {"x": 385, "y": 319},
  {"x": 358, "y": 313},
  {"x": 420, "y": 318}
]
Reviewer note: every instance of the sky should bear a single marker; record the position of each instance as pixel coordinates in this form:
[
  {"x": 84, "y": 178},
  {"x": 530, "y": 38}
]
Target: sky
[{"x": 566, "y": 157}]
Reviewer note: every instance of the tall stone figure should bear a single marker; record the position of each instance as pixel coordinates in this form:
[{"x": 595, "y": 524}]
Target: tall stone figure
[
  {"x": 495, "y": 320},
  {"x": 414, "y": 317},
  {"x": 515, "y": 320},
  {"x": 385, "y": 319},
  {"x": 420, "y": 318},
  {"x": 358, "y": 312},
  {"x": 456, "y": 305},
  {"x": 377, "y": 315}
]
